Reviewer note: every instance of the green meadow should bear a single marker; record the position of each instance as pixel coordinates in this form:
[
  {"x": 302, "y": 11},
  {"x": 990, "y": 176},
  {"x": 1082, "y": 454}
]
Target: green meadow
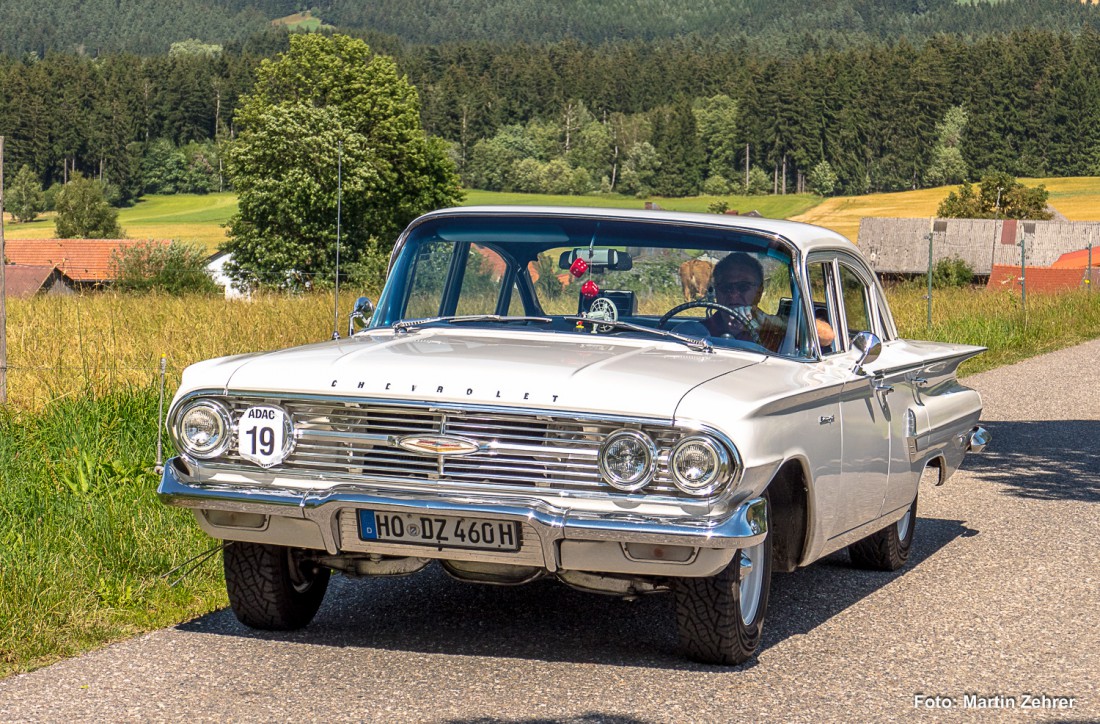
[
  {"x": 201, "y": 219},
  {"x": 88, "y": 555},
  {"x": 195, "y": 218}
]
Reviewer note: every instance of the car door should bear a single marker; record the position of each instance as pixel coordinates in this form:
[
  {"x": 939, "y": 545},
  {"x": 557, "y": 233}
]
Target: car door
[
  {"x": 864, "y": 408},
  {"x": 870, "y": 418}
]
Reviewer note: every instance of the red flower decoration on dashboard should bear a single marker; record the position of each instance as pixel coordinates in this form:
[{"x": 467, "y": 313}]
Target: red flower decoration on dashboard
[
  {"x": 578, "y": 268},
  {"x": 589, "y": 288}
]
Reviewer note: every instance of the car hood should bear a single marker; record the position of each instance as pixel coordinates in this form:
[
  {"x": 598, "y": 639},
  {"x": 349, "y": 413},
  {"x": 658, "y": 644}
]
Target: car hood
[{"x": 583, "y": 373}]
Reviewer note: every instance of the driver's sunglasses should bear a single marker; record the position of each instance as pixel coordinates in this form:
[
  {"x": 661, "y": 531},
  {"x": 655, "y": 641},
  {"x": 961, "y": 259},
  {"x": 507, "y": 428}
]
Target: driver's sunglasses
[{"x": 735, "y": 287}]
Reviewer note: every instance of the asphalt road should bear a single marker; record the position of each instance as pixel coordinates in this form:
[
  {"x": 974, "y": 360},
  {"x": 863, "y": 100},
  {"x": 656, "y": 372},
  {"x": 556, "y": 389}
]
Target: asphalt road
[{"x": 1000, "y": 600}]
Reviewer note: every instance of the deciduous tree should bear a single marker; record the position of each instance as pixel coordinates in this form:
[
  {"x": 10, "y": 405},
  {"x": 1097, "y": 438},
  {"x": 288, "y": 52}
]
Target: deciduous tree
[
  {"x": 24, "y": 198},
  {"x": 324, "y": 92},
  {"x": 83, "y": 211},
  {"x": 999, "y": 195}
]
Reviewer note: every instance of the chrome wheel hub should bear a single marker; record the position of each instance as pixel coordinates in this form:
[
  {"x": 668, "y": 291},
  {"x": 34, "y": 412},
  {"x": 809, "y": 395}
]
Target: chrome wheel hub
[{"x": 752, "y": 582}]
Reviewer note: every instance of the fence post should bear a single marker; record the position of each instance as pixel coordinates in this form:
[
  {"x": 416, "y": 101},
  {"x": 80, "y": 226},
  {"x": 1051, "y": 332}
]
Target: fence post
[
  {"x": 931, "y": 231},
  {"x": 1029, "y": 228},
  {"x": 1088, "y": 269},
  {"x": 3, "y": 292},
  {"x": 159, "y": 465}
]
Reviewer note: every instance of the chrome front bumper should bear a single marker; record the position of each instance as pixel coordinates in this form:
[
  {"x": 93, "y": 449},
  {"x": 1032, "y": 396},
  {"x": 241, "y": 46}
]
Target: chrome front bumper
[{"x": 554, "y": 538}]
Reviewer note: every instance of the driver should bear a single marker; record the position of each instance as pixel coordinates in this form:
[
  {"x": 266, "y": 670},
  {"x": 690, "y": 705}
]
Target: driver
[{"x": 738, "y": 283}]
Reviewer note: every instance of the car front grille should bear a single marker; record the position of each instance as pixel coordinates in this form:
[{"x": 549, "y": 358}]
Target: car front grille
[{"x": 347, "y": 439}]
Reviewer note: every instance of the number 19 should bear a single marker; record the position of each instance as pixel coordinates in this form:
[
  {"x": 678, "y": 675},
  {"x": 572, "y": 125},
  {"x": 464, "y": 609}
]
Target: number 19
[{"x": 266, "y": 440}]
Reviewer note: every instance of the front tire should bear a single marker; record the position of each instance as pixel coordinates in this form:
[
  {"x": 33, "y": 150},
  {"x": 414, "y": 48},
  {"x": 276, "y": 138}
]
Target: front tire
[
  {"x": 272, "y": 587},
  {"x": 720, "y": 618},
  {"x": 887, "y": 549}
]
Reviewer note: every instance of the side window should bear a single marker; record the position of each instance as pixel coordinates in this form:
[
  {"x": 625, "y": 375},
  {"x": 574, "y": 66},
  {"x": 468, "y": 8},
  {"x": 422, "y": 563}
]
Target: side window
[
  {"x": 481, "y": 282},
  {"x": 821, "y": 280},
  {"x": 427, "y": 276},
  {"x": 431, "y": 288},
  {"x": 889, "y": 331},
  {"x": 857, "y": 308}
]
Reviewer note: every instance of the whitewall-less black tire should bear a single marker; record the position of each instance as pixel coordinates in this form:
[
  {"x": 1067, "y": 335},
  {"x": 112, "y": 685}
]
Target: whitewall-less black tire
[
  {"x": 887, "y": 549},
  {"x": 720, "y": 618},
  {"x": 272, "y": 587}
]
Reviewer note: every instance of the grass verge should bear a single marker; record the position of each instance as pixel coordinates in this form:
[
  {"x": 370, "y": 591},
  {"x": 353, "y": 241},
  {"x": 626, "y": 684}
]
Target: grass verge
[
  {"x": 995, "y": 319},
  {"x": 84, "y": 544}
]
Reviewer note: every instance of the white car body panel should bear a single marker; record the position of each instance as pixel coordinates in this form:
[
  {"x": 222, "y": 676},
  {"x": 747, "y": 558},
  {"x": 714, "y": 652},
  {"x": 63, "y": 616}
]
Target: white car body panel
[{"x": 531, "y": 410}]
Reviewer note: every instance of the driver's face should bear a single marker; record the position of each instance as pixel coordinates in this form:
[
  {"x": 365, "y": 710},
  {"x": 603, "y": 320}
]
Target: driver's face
[{"x": 737, "y": 287}]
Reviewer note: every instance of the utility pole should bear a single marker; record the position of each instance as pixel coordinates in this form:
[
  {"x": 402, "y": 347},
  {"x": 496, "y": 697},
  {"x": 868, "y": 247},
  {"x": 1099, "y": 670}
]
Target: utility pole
[
  {"x": 1088, "y": 269},
  {"x": 1029, "y": 228},
  {"x": 996, "y": 231},
  {"x": 746, "y": 168},
  {"x": 339, "y": 201},
  {"x": 936, "y": 227},
  {"x": 3, "y": 292},
  {"x": 931, "y": 232}
]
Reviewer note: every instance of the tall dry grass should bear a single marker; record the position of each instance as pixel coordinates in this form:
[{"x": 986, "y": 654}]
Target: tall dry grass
[
  {"x": 66, "y": 347},
  {"x": 63, "y": 347},
  {"x": 996, "y": 319},
  {"x": 87, "y": 552}
]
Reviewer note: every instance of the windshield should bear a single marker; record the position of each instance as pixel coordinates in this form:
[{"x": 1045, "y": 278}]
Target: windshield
[{"x": 623, "y": 278}]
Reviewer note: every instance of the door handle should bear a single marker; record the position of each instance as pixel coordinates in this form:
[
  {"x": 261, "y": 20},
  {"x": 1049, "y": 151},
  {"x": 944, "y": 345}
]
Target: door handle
[{"x": 884, "y": 388}]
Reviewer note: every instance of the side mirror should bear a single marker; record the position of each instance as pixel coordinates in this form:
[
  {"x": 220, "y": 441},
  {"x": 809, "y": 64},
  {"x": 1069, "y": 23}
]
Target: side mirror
[
  {"x": 869, "y": 346},
  {"x": 361, "y": 315}
]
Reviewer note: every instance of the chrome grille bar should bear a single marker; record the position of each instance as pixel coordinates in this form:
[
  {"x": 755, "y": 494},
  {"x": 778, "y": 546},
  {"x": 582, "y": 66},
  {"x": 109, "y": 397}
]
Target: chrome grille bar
[{"x": 353, "y": 439}]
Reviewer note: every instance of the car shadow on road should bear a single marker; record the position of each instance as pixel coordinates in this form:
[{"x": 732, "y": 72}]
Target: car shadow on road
[
  {"x": 545, "y": 620},
  {"x": 1042, "y": 459}
]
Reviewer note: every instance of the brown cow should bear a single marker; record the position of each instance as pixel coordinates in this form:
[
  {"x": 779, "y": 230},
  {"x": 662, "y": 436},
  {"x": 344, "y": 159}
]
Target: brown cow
[{"x": 695, "y": 278}]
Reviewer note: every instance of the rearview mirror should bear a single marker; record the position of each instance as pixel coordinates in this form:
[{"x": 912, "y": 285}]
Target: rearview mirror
[{"x": 598, "y": 259}]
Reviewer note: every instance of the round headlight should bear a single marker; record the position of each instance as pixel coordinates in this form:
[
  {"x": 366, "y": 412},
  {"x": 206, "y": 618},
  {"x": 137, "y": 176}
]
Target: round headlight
[
  {"x": 203, "y": 429},
  {"x": 698, "y": 465},
  {"x": 627, "y": 460}
]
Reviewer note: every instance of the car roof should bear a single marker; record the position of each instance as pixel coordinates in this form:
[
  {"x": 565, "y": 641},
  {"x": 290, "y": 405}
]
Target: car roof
[{"x": 806, "y": 237}]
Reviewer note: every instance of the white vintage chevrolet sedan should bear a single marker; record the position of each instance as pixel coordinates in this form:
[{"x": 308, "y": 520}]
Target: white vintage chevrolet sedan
[{"x": 631, "y": 402}]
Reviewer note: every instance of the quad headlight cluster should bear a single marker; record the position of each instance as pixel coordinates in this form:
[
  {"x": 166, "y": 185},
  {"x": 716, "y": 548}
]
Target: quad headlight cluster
[
  {"x": 203, "y": 429},
  {"x": 697, "y": 464}
]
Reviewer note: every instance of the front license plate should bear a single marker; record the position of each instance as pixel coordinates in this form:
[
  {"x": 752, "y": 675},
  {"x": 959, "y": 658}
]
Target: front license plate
[{"x": 439, "y": 531}]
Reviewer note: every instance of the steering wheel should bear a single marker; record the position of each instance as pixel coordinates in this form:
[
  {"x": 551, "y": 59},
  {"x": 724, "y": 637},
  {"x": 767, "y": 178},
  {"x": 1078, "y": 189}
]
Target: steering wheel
[
  {"x": 709, "y": 305},
  {"x": 693, "y": 305}
]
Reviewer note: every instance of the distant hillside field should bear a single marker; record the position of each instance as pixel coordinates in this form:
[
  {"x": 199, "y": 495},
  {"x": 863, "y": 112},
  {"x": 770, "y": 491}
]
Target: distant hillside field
[
  {"x": 1078, "y": 199},
  {"x": 200, "y": 218},
  {"x": 187, "y": 217},
  {"x": 304, "y": 20},
  {"x": 775, "y": 207}
]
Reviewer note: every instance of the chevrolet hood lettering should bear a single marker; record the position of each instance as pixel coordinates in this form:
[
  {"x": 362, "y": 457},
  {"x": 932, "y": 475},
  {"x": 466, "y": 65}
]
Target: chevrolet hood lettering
[
  {"x": 437, "y": 445},
  {"x": 467, "y": 366}
]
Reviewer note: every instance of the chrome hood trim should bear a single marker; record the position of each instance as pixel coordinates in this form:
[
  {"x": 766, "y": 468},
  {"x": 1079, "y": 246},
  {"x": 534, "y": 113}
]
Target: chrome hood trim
[{"x": 520, "y": 369}]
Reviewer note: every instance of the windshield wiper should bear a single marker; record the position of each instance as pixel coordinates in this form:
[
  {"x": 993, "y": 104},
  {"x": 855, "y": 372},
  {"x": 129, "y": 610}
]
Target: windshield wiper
[
  {"x": 700, "y": 345},
  {"x": 406, "y": 325}
]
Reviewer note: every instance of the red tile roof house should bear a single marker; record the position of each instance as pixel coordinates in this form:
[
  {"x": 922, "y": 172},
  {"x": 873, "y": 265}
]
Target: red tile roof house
[
  {"x": 87, "y": 262},
  {"x": 26, "y": 280},
  {"x": 1039, "y": 279}
]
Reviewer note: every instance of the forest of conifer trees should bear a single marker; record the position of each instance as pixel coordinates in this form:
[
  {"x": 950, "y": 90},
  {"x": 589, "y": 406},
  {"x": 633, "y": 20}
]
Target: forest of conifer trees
[{"x": 670, "y": 116}]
